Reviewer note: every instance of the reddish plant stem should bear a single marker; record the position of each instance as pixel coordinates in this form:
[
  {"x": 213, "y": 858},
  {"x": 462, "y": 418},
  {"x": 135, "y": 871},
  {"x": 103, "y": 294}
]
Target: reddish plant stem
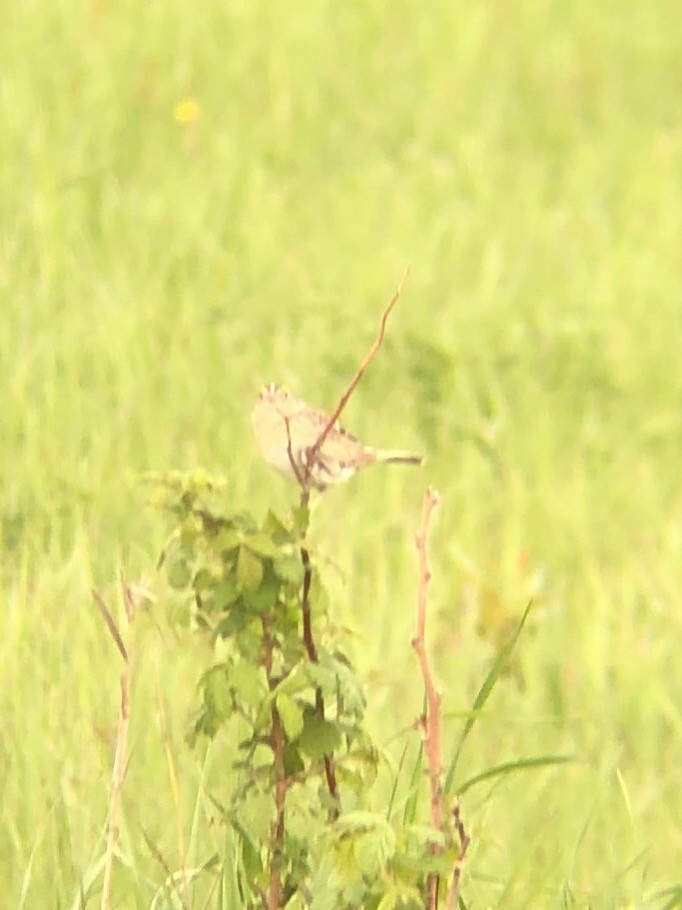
[
  {"x": 311, "y": 649},
  {"x": 431, "y": 721},
  {"x": 308, "y": 639}
]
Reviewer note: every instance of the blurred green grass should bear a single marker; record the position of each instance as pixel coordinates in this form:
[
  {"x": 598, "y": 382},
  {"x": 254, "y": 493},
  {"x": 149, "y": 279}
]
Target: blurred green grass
[{"x": 525, "y": 160}]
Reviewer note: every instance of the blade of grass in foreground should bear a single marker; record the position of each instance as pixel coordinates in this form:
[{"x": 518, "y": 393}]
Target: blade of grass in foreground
[
  {"x": 410, "y": 812},
  {"x": 394, "y": 789},
  {"x": 496, "y": 669},
  {"x": 509, "y": 767}
]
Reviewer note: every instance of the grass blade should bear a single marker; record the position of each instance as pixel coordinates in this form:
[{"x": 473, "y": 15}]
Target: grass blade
[
  {"x": 496, "y": 669},
  {"x": 509, "y": 767}
]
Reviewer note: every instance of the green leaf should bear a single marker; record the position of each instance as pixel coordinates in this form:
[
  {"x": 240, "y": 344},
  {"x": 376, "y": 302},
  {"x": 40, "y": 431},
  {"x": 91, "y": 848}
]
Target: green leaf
[
  {"x": 256, "y": 814},
  {"x": 249, "y": 683},
  {"x": 264, "y": 597},
  {"x": 297, "y": 679},
  {"x": 390, "y": 898},
  {"x": 249, "y": 642},
  {"x": 207, "y": 724},
  {"x": 357, "y": 821},
  {"x": 349, "y": 686},
  {"x": 336, "y": 678},
  {"x": 227, "y": 539},
  {"x": 235, "y": 620},
  {"x": 217, "y": 694},
  {"x": 425, "y": 834},
  {"x": 244, "y": 522},
  {"x": 374, "y": 849},
  {"x": 179, "y": 574},
  {"x": 190, "y": 532},
  {"x": 249, "y": 569},
  {"x": 260, "y": 543},
  {"x": 275, "y": 528},
  {"x": 289, "y": 569},
  {"x": 319, "y": 597},
  {"x": 204, "y": 581},
  {"x": 225, "y": 593},
  {"x": 301, "y": 521},
  {"x": 291, "y": 715},
  {"x": 319, "y": 737},
  {"x": 253, "y": 865},
  {"x": 293, "y": 763}
]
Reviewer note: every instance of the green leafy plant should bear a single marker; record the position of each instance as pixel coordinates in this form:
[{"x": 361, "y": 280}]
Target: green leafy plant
[
  {"x": 279, "y": 682},
  {"x": 285, "y": 686}
]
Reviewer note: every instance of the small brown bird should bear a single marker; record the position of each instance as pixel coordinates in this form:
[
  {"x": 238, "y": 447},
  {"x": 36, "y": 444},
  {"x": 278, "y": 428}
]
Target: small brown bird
[{"x": 287, "y": 429}]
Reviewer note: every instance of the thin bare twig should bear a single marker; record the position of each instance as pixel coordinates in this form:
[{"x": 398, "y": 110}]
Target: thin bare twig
[
  {"x": 431, "y": 721},
  {"x": 111, "y": 625},
  {"x": 343, "y": 401}
]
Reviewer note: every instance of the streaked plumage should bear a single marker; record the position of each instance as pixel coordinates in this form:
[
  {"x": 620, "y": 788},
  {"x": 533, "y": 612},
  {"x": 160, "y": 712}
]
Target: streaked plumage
[{"x": 283, "y": 424}]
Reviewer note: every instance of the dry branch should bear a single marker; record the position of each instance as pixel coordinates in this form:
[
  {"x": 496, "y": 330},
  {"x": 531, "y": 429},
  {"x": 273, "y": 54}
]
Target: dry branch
[
  {"x": 343, "y": 401},
  {"x": 133, "y": 595},
  {"x": 120, "y": 756}
]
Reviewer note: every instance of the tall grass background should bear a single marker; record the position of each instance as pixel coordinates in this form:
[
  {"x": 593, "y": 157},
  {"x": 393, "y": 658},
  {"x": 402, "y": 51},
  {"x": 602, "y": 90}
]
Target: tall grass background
[{"x": 196, "y": 200}]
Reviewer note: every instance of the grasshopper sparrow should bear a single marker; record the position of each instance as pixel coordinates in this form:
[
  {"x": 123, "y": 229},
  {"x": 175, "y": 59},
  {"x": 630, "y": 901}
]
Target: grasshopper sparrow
[{"x": 287, "y": 429}]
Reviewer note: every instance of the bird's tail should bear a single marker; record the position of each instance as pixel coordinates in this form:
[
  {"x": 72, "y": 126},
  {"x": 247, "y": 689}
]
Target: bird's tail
[{"x": 398, "y": 456}]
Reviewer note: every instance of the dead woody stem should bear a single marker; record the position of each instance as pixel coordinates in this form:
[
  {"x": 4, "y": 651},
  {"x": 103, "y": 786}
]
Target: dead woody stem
[
  {"x": 132, "y": 596},
  {"x": 312, "y": 452}
]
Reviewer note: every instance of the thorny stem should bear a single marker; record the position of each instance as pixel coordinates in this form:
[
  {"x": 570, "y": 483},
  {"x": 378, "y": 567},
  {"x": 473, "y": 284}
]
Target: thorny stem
[{"x": 431, "y": 721}]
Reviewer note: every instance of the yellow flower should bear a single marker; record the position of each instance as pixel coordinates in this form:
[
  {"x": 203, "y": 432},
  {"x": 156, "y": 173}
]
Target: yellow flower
[{"x": 186, "y": 111}]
